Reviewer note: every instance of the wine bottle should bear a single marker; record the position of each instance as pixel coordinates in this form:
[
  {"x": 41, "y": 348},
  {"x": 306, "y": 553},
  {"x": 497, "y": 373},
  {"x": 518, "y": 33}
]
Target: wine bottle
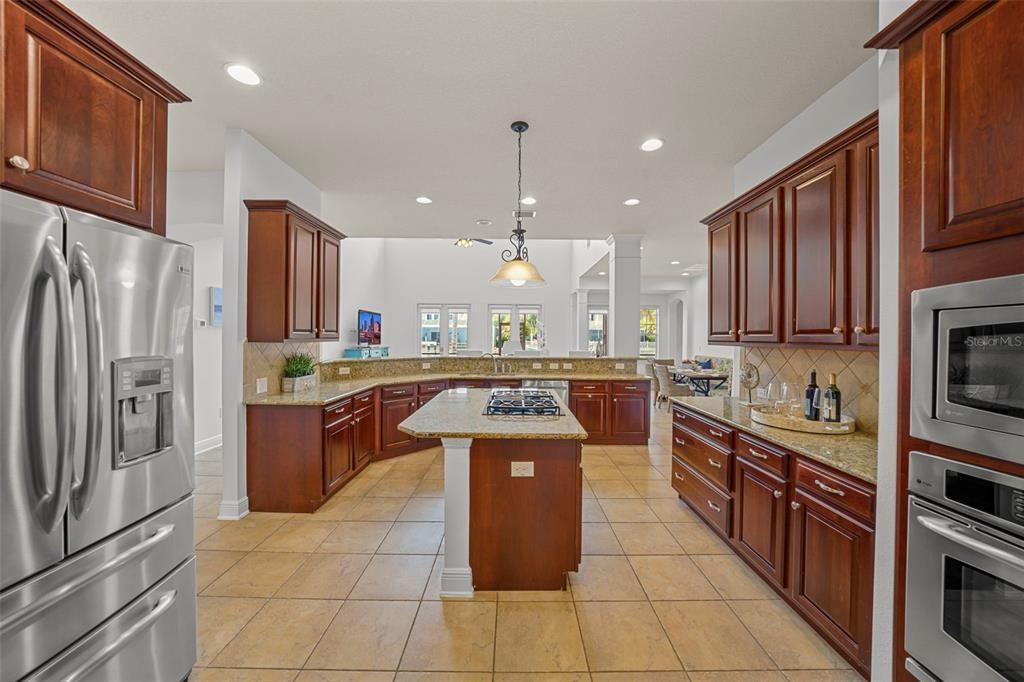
[
  {"x": 832, "y": 400},
  {"x": 812, "y": 409}
]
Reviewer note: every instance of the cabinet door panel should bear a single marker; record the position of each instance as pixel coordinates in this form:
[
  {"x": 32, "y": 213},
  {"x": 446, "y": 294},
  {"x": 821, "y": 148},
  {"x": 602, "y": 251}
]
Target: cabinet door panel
[
  {"x": 629, "y": 415},
  {"x": 393, "y": 413},
  {"x": 759, "y": 269},
  {"x": 759, "y": 520},
  {"x": 339, "y": 462},
  {"x": 973, "y": 139},
  {"x": 833, "y": 566},
  {"x": 302, "y": 280},
  {"x": 816, "y": 253},
  {"x": 87, "y": 130},
  {"x": 722, "y": 280},
  {"x": 330, "y": 282},
  {"x": 591, "y": 411},
  {"x": 864, "y": 241}
]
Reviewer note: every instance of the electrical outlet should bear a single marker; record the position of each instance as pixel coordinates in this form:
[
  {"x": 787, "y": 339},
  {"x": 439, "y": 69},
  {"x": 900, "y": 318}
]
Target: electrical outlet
[
  {"x": 261, "y": 385},
  {"x": 344, "y": 370},
  {"x": 566, "y": 365},
  {"x": 620, "y": 365},
  {"x": 537, "y": 365},
  {"x": 552, "y": 365},
  {"x": 522, "y": 469},
  {"x": 425, "y": 365}
]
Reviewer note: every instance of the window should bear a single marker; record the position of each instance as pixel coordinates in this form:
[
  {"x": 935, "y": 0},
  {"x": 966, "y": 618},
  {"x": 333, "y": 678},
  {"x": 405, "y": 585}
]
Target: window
[
  {"x": 443, "y": 329},
  {"x": 597, "y": 332},
  {"x": 648, "y": 332},
  {"x": 516, "y": 328}
]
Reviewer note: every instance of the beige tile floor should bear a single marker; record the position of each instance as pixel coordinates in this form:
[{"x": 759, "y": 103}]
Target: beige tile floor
[{"x": 351, "y": 592}]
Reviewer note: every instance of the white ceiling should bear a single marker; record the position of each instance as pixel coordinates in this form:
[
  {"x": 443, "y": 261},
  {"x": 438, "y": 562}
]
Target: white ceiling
[{"x": 380, "y": 102}]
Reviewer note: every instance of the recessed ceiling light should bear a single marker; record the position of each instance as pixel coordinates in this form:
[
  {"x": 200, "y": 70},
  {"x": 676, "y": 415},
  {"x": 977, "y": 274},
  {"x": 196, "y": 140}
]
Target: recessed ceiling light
[
  {"x": 528, "y": 201},
  {"x": 424, "y": 200},
  {"x": 686, "y": 274},
  {"x": 483, "y": 221},
  {"x": 675, "y": 262},
  {"x": 631, "y": 202},
  {"x": 602, "y": 273},
  {"x": 243, "y": 74},
  {"x": 652, "y": 145}
]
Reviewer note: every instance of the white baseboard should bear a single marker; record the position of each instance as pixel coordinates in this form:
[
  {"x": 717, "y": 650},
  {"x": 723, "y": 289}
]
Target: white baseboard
[
  {"x": 209, "y": 443},
  {"x": 457, "y": 582},
  {"x": 232, "y": 510}
]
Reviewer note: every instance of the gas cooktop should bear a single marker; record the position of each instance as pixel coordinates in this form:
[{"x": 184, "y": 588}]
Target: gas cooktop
[{"x": 522, "y": 401}]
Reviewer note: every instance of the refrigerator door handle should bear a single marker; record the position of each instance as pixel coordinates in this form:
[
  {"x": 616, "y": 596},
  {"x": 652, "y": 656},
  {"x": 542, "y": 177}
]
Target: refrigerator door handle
[
  {"x": 82, "y": 270},
  {"x": 50, "y": 502},
  {"x": 163, "y": 605}
]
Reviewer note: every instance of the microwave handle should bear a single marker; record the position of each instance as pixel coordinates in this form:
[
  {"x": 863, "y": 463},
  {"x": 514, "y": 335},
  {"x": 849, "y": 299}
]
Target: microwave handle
[{"x": 964, "y": 536}]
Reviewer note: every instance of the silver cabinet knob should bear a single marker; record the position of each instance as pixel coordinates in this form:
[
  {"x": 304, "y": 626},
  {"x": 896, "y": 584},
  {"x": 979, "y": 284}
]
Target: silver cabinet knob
[
  {"x": 837, "y": 330},
  {"x": 794, "y": 505},
  {"x": 740, "y": 332},
  {"x": 858, "y": 329},
  {"x": 732, "y": 331},
  {"x": 678, "y": 476},
  {"x": 19, "y": 162},
  {"x": 777, "y": 494}
]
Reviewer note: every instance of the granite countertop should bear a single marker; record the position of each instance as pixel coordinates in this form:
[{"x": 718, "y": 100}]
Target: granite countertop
[
  {"x": 855, "y": 454},
  {"x": 458, "y": 413},
  {"x": 335, "y": 390}
]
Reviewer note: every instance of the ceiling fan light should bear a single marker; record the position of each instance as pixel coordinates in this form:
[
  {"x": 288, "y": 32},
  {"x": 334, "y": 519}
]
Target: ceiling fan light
[{"x": 517, "y": 273}]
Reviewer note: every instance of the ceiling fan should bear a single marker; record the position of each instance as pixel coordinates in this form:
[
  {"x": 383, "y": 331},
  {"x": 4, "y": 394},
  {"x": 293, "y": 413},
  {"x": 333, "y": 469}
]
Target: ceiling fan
[{"x": 466, "y": 242}]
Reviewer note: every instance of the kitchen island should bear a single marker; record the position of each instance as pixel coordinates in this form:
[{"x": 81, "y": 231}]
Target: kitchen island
[{"x": 513, "y": 493}]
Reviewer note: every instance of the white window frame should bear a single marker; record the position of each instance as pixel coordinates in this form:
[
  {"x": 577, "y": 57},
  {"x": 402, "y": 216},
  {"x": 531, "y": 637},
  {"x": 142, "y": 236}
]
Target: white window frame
[
  {"x": 598, "y": 310},
  {"x": 443, "y": 325},
  {"x": 513, "y": 309},
  {"x": 657, "y": 328}
]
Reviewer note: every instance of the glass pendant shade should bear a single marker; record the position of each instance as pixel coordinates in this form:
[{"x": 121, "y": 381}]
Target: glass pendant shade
[{"x": 519, "y": 274}]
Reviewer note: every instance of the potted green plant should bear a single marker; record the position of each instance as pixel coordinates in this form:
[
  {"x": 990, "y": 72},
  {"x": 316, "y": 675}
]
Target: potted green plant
[{"x": 299, "y": 373}]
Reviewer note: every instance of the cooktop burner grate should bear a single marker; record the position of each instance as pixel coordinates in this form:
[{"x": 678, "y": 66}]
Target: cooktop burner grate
[{"x": 522, "y": 401}]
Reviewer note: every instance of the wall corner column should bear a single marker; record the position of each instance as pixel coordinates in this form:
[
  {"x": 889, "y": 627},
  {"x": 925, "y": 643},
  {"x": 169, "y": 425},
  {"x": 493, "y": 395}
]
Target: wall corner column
[{"x": 624, "y": 295}]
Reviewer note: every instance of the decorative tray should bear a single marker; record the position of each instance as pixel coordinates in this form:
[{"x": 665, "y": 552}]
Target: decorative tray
[{"x": 769, "y": 416}]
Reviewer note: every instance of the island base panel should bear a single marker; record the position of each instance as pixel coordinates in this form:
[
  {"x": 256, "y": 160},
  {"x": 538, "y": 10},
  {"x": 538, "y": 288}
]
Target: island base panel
[{"x": 524, "y": 531}]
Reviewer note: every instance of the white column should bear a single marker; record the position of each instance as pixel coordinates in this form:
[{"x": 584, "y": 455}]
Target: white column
[
  {"x": 582, "y": 319},
  {"x": 456, "y": 574},
  {"x": 624, "y": 295}
]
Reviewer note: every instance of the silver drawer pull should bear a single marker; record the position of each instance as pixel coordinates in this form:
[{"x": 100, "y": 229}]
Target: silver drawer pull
[
  {"x": 366, "y": 399},
  {"x": 715, "y": 463},
  {"x": 678, "y": 476},
  {"x": 399, "y": 392},
  {"x": 755, "y": 453},
  {"x": 630, "y": 388},
  {"x": 679, "y": 441},
  {"x": 714, "y": 506},
  {"x": 777, "y": 494},
  {"x": 829, "y": 489},
  {"x": 716, "y": 434}
]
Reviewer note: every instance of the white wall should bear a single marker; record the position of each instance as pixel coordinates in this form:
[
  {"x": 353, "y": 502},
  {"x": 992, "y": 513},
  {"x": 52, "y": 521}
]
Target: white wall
[
  {"x": 251, "y": 171},
  {"x": 392, "y": 276},
  {"x": 847, "y": 102}
]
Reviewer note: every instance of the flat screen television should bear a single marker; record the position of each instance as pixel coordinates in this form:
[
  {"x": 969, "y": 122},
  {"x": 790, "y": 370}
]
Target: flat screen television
[{"x": 369, "y": 328}]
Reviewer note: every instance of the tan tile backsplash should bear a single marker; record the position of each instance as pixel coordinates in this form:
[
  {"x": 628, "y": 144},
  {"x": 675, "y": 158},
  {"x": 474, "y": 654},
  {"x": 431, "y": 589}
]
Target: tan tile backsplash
[
  {"x": 267, "y": 360},
  {"x": 856, "y": 375}
]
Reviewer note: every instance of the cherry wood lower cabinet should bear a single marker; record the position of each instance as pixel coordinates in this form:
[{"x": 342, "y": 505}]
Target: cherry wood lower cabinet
[
  {"x": 339, "y": 455},
  {"x": 804, "y": 527},
  {"x": 612, "y": 412},
  {"x": 591, "y": 411},
  {"x": 392, "y": 413},
  {"x": 364, "y": 435}
]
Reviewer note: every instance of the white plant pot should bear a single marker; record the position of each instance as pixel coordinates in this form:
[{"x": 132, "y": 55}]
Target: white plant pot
[{"x": 298, "y": 384}]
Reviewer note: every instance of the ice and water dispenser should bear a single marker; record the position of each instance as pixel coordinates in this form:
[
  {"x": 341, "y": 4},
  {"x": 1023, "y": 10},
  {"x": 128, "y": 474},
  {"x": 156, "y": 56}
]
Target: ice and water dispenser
[{"x": 143, "y": 408}]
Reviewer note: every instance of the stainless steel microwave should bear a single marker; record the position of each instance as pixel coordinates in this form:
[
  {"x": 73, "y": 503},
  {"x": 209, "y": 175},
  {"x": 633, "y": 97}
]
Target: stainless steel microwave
[{"x": 967, "y": 366}]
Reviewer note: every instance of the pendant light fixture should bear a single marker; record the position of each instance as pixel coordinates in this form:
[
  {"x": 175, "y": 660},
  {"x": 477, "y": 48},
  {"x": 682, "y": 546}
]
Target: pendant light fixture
[{"x": 517, "y": 270}]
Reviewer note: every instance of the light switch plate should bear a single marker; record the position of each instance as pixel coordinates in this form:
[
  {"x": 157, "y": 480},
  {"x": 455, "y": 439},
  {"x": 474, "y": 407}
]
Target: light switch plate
[
  {"x": 537, "y": 365},
  {"x": 620, "y": 365},
  {"x": 344, "y": 370},
  {"x": 261, "y": 385},
  {"x": 522, "y": 469},
  {"x": 566, "y": 365},
  {"x": 425, "y": 365}
]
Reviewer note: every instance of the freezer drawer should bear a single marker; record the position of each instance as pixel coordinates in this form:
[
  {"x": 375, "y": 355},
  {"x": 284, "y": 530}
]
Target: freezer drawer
[
  {"x": 42, "y": 616},
  {"x": 153, "y": 639}
]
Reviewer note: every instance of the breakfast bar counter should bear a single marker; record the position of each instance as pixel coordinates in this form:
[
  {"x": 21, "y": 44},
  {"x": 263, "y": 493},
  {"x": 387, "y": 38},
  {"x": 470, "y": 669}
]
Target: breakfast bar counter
[{"x": 513, "y": 493}]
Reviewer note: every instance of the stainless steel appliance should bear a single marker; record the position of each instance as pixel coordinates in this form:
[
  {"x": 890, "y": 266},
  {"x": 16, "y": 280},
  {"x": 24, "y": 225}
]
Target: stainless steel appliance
[
  {"x": 559, "y": 387},
  {"x": 97, "y": 576},
  {"x": 967, "y": 366},
  {"x": 530, "y": 402},
  {"x": 965, "y": 572}
]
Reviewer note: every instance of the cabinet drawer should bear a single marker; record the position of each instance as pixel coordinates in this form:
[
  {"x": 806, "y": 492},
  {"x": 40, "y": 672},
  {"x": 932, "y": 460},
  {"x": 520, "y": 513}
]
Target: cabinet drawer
[
  {"x": 708, "y": 460},
  {"x": 432, "y": 387},
  {"x": 628, "y": 387},
  {"x": 362, "y": 401},
  {"x": 588, "y": 387},
  {"x": 836, "y": 490},
  {"x": 711, "y": 430},
  {"x": 336, "y": 411},
  {"x": 470, "y": 383},
  {"x": 400, "y": 391},
  {"x": 762, "y": 454},
  {"x": 706, "y": 500}
]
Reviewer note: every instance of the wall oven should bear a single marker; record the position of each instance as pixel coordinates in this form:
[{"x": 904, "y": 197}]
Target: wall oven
[
  {"x": 967, "y": 366},
  {"x": 965, "y": 572}
]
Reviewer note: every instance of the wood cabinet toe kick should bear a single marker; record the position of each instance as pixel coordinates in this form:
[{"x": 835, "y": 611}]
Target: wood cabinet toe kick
[{"x": 806, "y": 528}]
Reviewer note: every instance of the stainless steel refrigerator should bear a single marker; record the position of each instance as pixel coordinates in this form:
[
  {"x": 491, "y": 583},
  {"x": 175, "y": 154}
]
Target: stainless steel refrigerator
[{"x": 97, "y": 567}]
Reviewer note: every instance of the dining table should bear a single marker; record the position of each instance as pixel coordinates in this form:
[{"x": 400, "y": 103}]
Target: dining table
[{"x": 700, "y": 379}]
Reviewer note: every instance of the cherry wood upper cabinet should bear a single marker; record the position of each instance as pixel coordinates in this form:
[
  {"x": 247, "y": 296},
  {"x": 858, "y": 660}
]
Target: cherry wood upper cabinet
[
  {"x": 84, "y": 122},
  {"x": 293, "y": 274},
  {"x": 759, "y": 269},
  {"x": 864, "y": 240},
  {"x": 722, "y": 280},
  {"x": 816, "y": 253}
]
